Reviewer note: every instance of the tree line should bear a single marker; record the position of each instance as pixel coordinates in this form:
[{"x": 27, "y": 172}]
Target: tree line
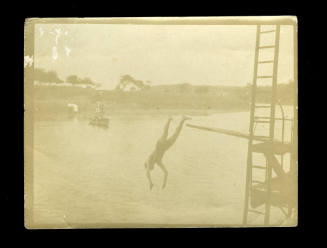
[{"x": 52, "y": 77}]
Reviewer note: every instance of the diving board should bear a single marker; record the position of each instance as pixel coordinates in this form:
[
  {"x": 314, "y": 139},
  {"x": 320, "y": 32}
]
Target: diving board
[
  {"x": 275, "y": 147},
  {"x": 229, "y": 132}
]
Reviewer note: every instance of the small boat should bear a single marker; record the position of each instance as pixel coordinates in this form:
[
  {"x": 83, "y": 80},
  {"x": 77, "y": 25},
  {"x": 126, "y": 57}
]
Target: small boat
[{"x": 100, "y": 121}]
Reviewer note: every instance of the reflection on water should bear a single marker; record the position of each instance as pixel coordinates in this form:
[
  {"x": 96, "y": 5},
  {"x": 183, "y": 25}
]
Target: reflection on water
[{"x": 84, "y": 174}]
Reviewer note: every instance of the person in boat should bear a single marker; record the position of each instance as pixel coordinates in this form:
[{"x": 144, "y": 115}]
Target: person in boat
[
  {"x": 99, "y": 108},
  {"x": 162, "y": 145},
  {"x": 99, "y": 111}
]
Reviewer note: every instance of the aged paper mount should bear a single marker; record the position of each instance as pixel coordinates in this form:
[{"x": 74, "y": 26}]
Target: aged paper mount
[{"x": 160, "y": 122}]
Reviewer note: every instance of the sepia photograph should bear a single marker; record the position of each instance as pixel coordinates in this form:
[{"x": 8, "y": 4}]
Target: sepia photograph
[{"x": 160, "y": 122}]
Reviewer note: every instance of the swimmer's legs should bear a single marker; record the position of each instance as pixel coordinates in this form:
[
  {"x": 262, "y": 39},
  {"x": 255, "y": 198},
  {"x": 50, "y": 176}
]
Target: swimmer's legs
[
  {"x": 148, "y": 174},
  {"x": 171, "y": 140},
  {"x": 165, "y": 173},
  {"x": 165, "y": 133}
]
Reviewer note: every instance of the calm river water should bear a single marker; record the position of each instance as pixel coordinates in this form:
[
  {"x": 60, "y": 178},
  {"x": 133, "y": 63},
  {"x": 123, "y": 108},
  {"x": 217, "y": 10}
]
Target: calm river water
[{"x": 84, "y": 174}]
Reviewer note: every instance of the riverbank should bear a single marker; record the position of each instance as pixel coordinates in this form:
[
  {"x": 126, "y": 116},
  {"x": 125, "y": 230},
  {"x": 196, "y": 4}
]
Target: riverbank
[{"x": 86, "y": 115}]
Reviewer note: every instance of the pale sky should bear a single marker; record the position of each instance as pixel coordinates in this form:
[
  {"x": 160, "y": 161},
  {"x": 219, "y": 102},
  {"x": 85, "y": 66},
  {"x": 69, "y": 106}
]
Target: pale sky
[{"x": 161, "y": 54}]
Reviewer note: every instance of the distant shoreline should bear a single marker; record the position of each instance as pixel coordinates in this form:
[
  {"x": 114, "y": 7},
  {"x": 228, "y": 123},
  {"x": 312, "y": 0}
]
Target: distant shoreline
[
  {"x": 183, "y": 99},
  {"x": 172, "y": 111},
  {"x": 133, "y": 112}
]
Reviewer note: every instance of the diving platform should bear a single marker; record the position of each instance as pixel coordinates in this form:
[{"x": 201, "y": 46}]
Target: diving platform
[
  {"x": 281, "y": 195},
  {"x": 275, "y": 147},
  {"x": 277, "y": 191}
]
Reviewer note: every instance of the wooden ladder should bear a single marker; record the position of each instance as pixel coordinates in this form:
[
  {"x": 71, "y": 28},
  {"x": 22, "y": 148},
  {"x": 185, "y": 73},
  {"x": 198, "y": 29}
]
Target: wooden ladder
[{"x": 269, "y": 121}]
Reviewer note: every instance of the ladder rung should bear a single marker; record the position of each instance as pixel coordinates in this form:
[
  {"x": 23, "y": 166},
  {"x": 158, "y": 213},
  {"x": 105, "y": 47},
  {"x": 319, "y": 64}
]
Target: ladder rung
[
  {"x": 264, "y": 47},
  {"x": 259, "y": 167},
  {"x": 262, "y": 106},
  {"x": 262, "y": 117},
  {"x": 255, "y": 211},
  {"x": 268, "y": 31},
  {"x": 267, "y": 138},
  {"x": 260, "y": 121},
  {"x": 277, "y": 118},
  {"x": 256, "y": 181},
  {"x": 266, "y": 61},
  {"x": 264, "y": 76}
]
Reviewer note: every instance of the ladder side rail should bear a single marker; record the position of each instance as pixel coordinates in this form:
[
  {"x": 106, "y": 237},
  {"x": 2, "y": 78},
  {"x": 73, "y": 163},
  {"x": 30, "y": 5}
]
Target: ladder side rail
[
  {"x": 272, "y": 122},
  {"x": 283, "y": 132},
  {"x": 252, "y": 109}
]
